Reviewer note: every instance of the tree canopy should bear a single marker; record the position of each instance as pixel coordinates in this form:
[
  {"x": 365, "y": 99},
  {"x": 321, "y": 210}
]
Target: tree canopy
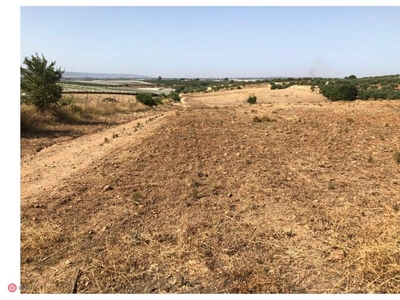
[
  {"x": 341, "y": 91},
  {"x": 39, "y": 81}
]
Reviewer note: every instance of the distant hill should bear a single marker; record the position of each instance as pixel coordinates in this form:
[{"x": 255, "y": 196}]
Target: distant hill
[{"x": 100, "y": 75}]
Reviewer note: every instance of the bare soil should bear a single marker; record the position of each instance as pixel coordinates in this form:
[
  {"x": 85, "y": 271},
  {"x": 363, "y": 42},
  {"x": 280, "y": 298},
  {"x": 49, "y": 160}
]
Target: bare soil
[{"x": 293, "y": 195}]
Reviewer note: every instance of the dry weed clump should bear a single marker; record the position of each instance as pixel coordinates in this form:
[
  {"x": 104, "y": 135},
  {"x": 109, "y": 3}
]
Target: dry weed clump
[
  {"x": 111, "y": 108},
  {"x": 103, "y": 105},
  {"x": 41, "y": 239},
  {"x": 263, "y": 119},
  {"x": 397, "y": 156},
  {"x": 76, "y": 110},
  {"x": 362, "y": 256},
  {"x": 32, "y": 119}
]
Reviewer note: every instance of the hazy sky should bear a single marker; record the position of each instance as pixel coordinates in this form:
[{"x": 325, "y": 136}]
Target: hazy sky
[{"x": 216, "y": 41}]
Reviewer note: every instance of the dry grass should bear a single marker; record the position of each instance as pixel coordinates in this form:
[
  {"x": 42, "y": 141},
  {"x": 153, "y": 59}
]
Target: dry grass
[
  {"x": 84, "y": 114},
  {"x": 39, "y": 237},
  {"x": 216, "y": 203},
  {"x": 80, "y": 109},
  {"x": 263, "y": 119},
  {"x": 122, "y": 104},
  {"x": 32, "y": 119}
]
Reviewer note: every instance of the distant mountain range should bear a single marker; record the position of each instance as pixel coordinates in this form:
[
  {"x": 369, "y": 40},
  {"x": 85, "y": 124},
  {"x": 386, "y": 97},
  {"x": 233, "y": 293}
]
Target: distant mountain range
[{"x": 100, "y": 75}]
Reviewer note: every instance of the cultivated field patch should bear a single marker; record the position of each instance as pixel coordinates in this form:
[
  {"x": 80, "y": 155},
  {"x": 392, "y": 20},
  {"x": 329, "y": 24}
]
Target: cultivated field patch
[{"x": 286, "y": 196}]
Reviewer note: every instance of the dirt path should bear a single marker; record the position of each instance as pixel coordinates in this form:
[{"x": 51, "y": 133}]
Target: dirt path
[{"x": 49, "y": 168}]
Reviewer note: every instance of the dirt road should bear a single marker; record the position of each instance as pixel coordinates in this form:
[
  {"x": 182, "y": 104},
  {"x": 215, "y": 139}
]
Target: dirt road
[{"x": 48, "y": 169}]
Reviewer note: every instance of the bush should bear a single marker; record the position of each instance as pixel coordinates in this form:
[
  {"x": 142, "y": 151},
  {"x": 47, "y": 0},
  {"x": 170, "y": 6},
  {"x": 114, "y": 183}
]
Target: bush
[
  {"x": 340, "y": 91},
  {"x": 158, "y": 100},
  {"x": 393, "y": 95},
  {"x": 39, "y": 82},
  {"x": 363, "y": 95},
  {"x": 146, "y": 99},
  {"x": 252, "y": 99},
  {"x": 175, "y": 96},
  {"x": 280, "y": 86},
  {"x": 163, "y": 96}
]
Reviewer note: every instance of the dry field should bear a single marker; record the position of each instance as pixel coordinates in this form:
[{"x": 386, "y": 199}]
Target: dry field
[
  {"x": 293, "y": 94},
  {"x": 294, "y": 195}
]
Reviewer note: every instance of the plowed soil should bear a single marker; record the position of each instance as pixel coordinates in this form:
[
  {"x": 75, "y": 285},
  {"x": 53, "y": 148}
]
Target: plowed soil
[{"x": 295, "y": 194}]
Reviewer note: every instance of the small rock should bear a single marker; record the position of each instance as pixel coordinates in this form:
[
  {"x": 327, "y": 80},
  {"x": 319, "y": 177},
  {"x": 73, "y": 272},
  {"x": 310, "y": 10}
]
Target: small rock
[
  {"x": 107, "y": 188},
  {"x": 68, "y": 262},
  {"x": 104, "y": 228},
  {"x": 230, "y": 195}
]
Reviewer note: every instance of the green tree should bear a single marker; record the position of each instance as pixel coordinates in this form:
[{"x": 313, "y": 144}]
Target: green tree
[
  {"x": 39, "y": 82},
  {"x": 159, "y": 78},
  {"x": 351, "y": 77},
  {"x": 340, "y": 91}
]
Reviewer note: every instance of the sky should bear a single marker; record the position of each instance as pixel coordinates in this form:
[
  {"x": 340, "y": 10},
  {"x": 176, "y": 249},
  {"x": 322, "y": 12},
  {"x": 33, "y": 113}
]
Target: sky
[{"x": 177, "y": 41}]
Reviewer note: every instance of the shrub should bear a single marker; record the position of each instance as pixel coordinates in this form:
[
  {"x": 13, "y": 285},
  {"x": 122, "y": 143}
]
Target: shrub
[
  {"x": 179, "y": 89},
  {"x": 175, "y": 96},
  {"x": 252, "y": 99},
  {"x": 363, "y": 95},
  {"x": 158, "y": 100},
  {"x": 146, "y": 99},
  {"x": 275, "y": 86},
  {"x": 393, "y": 95}
]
